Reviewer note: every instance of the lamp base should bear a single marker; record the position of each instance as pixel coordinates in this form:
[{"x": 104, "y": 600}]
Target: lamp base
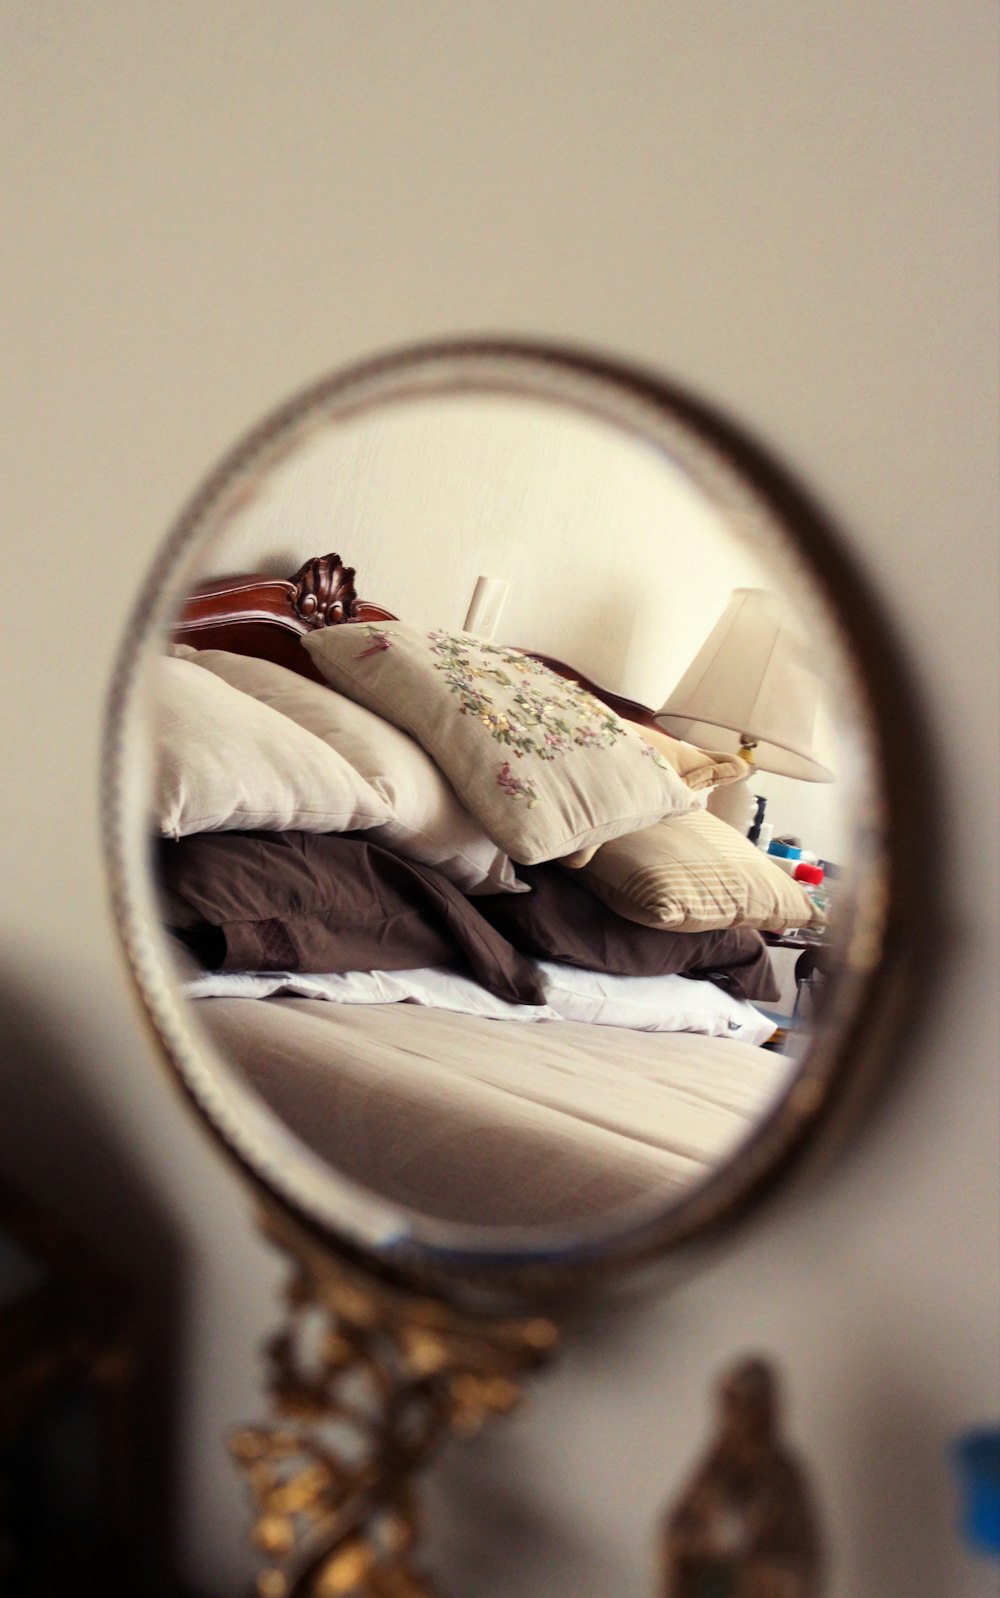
[{"x": 734, "y": 803}]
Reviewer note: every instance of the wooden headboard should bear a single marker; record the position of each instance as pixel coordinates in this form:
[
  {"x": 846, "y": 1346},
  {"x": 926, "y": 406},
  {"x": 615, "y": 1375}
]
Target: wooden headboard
[{"x": 254, "y": 614}]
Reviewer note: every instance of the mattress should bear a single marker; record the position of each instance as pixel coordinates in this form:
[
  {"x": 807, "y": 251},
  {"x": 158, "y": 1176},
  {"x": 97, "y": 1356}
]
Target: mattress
[{"x": 484, "y": 1122}]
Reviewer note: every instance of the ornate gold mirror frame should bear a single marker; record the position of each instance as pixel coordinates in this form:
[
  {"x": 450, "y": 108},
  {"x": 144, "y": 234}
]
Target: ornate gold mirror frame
[{"x": 395, "y": 1338}]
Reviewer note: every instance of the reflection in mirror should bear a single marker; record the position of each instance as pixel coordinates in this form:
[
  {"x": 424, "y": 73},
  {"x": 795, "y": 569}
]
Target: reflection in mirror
[{"x": 507, "y": 873}]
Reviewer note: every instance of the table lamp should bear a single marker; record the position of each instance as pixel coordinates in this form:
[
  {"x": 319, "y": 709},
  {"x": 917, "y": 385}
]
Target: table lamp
[{"x": 750, "y": 689}]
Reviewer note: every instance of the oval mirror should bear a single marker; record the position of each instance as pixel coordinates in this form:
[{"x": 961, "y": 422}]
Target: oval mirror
[{"x": 498, "y": 779}]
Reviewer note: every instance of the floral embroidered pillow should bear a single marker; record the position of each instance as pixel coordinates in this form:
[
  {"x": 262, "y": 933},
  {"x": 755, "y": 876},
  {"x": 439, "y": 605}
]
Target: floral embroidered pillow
[{"x": 544, "y": 766}]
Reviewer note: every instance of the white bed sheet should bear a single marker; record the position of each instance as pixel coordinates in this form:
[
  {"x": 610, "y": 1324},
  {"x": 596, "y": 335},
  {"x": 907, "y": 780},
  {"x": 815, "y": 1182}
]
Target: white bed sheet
[{"x": 644, "y": 1004}]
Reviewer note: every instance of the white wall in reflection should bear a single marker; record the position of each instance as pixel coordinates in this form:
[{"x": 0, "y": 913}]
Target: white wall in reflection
[{"x": 614, "y": 557}]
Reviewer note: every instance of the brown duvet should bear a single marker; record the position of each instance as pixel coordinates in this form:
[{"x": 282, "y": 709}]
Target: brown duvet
[
  {"x": 562, "y": 920},
  {"x": 299, "y": 901},
  {"x": 315, "y": 902}
]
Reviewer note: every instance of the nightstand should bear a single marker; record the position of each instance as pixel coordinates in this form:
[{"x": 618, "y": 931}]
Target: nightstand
[{"x": 798, "y": 959}]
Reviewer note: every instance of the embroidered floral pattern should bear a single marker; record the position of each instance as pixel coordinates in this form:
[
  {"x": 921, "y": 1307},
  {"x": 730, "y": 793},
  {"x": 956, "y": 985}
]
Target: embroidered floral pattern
[
  {"x": 523, "y": 705},
  {"x": 516, "y": 787},
  {"x": 655, "y": 756},
  {"x": 379, "y": 640},
  {"x": 542, "y": 714}
]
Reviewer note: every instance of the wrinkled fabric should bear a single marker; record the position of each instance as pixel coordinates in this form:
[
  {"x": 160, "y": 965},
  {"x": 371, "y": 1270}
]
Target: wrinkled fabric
[
  {"x": 298, "y": 901},
  {"x": 562, "y": 920}
]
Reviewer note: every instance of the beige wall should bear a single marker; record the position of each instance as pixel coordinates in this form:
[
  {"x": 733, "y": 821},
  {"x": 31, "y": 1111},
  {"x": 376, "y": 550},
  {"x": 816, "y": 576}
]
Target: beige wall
[
  {"x": 615, "y": 560},
  {"x": 789, "y": 208}
]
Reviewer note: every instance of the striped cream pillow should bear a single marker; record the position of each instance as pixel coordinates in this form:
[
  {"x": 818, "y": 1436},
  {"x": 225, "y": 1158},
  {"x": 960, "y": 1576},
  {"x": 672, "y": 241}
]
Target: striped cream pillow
[{"x": 695, "y": 873}]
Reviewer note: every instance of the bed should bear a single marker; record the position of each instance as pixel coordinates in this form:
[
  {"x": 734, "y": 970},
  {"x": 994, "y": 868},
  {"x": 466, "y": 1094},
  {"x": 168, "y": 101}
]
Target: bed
[{"x": 429, "y": 967}]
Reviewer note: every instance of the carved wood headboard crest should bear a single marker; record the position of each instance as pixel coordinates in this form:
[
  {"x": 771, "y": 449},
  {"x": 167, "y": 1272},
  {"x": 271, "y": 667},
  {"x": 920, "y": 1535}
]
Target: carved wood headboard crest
[{"x": 254, "y": 614}]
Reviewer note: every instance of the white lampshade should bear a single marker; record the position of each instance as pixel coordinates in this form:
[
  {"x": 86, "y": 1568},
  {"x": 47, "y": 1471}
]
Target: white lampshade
[{"x": 751, "y": 684}]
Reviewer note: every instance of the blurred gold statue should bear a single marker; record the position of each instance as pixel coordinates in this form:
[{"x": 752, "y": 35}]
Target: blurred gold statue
[{"x": 745, "y": 1526}]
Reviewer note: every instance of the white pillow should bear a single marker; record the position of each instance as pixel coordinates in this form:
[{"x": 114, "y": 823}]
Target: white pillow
[
  {"x": 640, "y": 1004},
  {"x": 224, "y": 762},
  {"x": 434, "y": 986},
  {"x": 426, "y": 822},
  {"x": 651, "y": 1004}
]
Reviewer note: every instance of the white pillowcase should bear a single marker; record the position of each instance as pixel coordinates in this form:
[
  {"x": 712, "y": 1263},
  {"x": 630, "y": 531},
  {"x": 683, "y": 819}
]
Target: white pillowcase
[
  {"x": 434, "y": 986},
  {"x": 651, "y": 1004},
  {"x": 224, "y": 762},
  {"x": 425, "y": 820},
  {"x": 640, "y": 1004}
]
